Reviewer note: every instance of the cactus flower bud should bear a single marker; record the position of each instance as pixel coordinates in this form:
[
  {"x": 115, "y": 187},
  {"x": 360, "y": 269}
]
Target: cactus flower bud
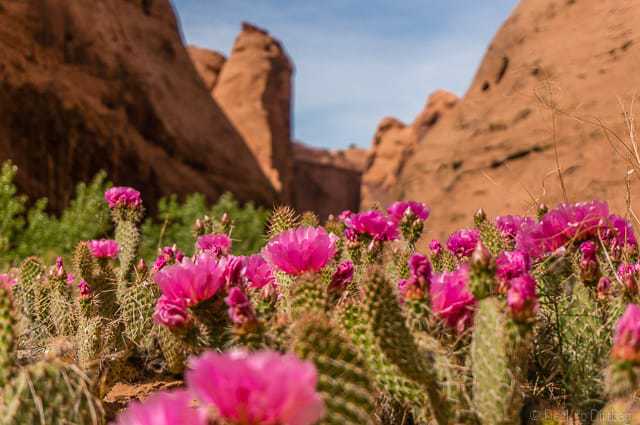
[
  {"x": 342, "y": 276},
  {"x": 59, "y": 267},
  {"x": 481, "y": 257},
  {"x": 522, "y": 298},
  {"x": 542, "y": 210},
  {"x": 588, "y": 263},
  {"x": 84, "y": 289},
  {"x": 479, "y": 217},
  {"x": 626, "y": 342},
  {"x": 435, "y": 247}
]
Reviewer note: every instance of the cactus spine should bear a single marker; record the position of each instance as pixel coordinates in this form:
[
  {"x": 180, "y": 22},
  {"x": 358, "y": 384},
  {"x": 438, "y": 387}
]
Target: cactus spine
[{"x": 7, "y": 337}]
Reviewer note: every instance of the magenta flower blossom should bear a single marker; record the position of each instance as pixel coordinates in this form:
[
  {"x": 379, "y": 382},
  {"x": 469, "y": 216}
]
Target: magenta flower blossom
[
  {"x": 171, "y": 313},
  {"x": 628, "y": 274},
  {"x": 70, "y": 278},
  {"x": 345, "y": 215},
  {"x": 7, "y": 281},
  {"x": 451, "y": 299},
  {"x": 588, "y": 250},
  {"x": 305, "y": 249},
  {"x": 565, "y": 223},
  {"x": 234, "y": 269},
  {"x": 104, "y": 248},
  {"x": 618, "y": 232},
  {"x": 84, "y": 289},
  {"x": 588, "y": 263},
  {"x": 374, "y": 224},
  {"x": 263, "y": 388},
  {"x": 462, "y": 242},
  {"x": 168, "y": 255},
  {"x": 191, "y": 282},
  {"x": 522, "y": 298},
  {"x": 164, "y": 408},
  {"x": 435, "y": 247},
  {"x": 342, "y": 277},
  {"x": 511, "y": 264},
  {"x": 258, "y": 272},
  {"x": 240, "y": 308},
  {"x": 216, "y": 243},
  {"x": 626, "y": 342},
  {"x": 397, "y": 210},
  {"x": 419, "y": 266},
  {"x": 123, "y": 197},
  {"x": 510, "y": 225}
]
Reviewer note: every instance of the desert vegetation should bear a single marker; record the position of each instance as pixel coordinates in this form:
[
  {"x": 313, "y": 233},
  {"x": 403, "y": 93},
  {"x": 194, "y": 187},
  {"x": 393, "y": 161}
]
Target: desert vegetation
[{"x": 512, "y": 320}]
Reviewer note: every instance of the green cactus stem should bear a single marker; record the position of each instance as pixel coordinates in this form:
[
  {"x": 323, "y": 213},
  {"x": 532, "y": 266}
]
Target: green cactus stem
[
  {"x": 173, "y": 348},
  {"x": 343, "y": 380},
  {"x": 282, "y": 218},
  {"x": 137, "y": 305},
  {"x": 7, "y": 336}
]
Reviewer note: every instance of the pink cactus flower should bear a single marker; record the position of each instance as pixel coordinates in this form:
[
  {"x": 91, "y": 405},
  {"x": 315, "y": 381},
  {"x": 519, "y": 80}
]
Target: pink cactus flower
[
  {"x": 510, "y": 225},
  {"x": 104, "y": 248},
  {"x": 626, "y": 342},
  {"x": 628, "y": 274},
  {"x": 345, "y": 215},
  {"x": 435, "y": 247},
  {"x": 258, "y": 272},
  {"x": 461, "y": 243},
  {"x": 399, "y": 209},
  {"x": 168, "y": 255},
  {"x": 234, "y": 269},
  {"x": 373, "y": 224},
  {"x": 451, "y": 299},
  {"x": 624, "y": 234},
  {"x": 123, "y": 197},
  {"x": 522, "y": 298},
  {"x": 240, "y": 308},
  {"x": 70, "y": 278},
  {"x": 342, "y": 277},
  {"x": 565, "y": 223},
  {"x": 171, "y": 313},
  {"x": 164, "y": 408},
  {"x": 84, "y": 289},
  {"x": 509, "y": 265},
  {"x": 217, "y": 244},
  {"x": 191, "y": 282},
  {"x": 420, "y": 266},
  {"x": 7, "y": 281},
  {"x": 301, "y": 250},
  {"x": 263, "y": 388}
]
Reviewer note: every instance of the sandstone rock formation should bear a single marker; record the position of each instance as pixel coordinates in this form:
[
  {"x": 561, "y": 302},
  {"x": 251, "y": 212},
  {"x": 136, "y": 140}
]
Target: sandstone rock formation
[
  {"x": 327, "y": 182},
  {"x": 254, "y": 90},
  {"x": 392, "y": 145},
  {"x": 553, "y": 85},
  {"x": 107, "y": 84},
  {"x": 208, "y": 63}
]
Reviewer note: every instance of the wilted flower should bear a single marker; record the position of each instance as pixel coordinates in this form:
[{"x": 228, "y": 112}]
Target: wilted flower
[
  {"x": 171, "y": 312},
  {"x": 104, "y": 248},
  {"x": 435, "y": 247},
  {"x": 301, "y": 250},
  {"x": 191, "y": 282},
  {"x": 240, "y": 308},
  {"x": 263, "y": 388},
  {"x": 164, "y": 408},
  {"x": 462, "y": 242},
  {"x": 234, "y": 269},
  {"x": 451, "y": 299},
  {"x": 604, "y": 287},
  {"x": 342, "y": 276},
  {"x": 588, "y": 263},
  {"x": 626, "y": 342},
  {"x": 258, "y": 272},
  {"x": 509, "y": 265},
  {"x": 216, "y": 243},
  {"x": 399, "y": 209},
  {"x": 522, "y": 298},
  {"x": 123, "y": 197},
  {"x": 374, "y": 224}
]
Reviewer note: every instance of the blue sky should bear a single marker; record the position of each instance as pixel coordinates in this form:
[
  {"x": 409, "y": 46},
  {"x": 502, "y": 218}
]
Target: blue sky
[{"x": 358, "y": 61}]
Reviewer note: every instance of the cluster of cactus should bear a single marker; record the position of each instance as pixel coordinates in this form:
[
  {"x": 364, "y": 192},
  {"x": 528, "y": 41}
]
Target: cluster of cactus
[{"x": 395, "y": 336}]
